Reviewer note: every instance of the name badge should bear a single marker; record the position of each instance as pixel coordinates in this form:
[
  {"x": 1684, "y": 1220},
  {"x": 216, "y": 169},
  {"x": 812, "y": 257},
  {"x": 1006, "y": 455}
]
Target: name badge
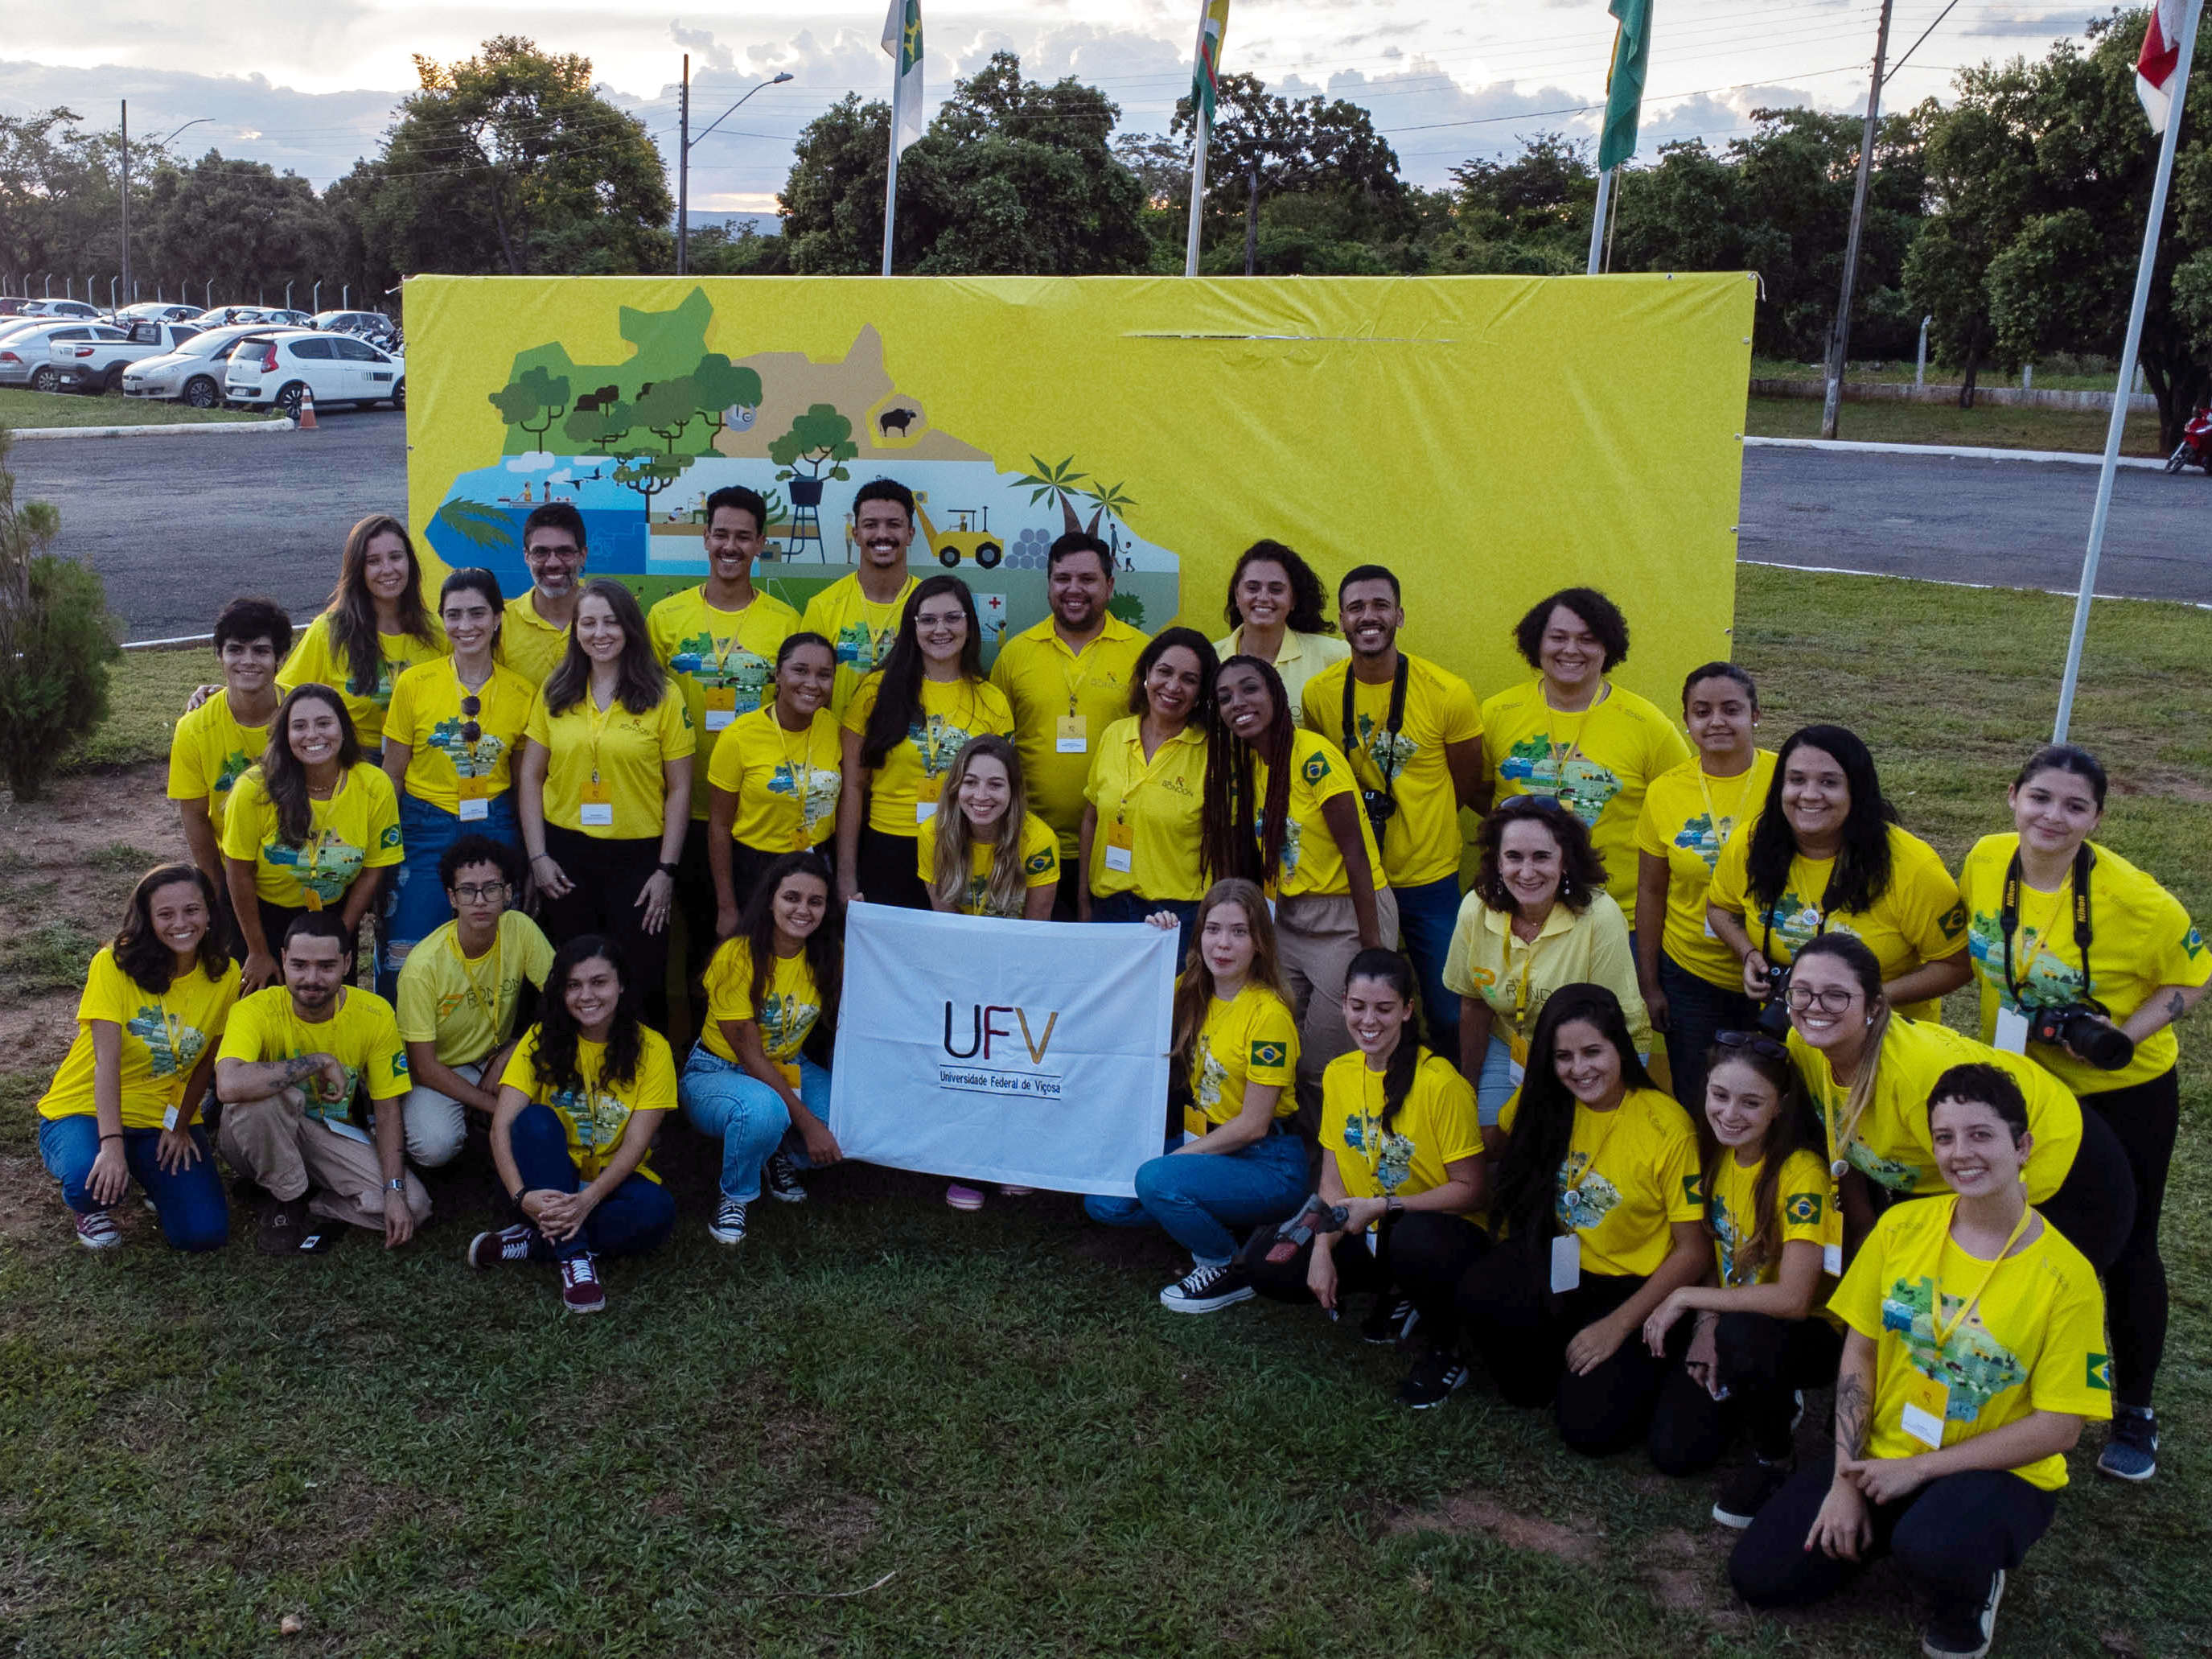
[
  {"x": 1121, "y": 853},
  {"x": 596, "y": 815},
  {"x": 1566, "y": 1263},
  {"x": 925, "y": 798},
  {"x": 1194, "y": 1124},
  {"x": 721, "y": 706},
  {"x": 2011, "y": 1031},
  {"x": 1926, "y": 1403},
  {"x": 1071, "y": 735},
  {"x": 1831, "y": 1261},
  {"x": 473, "y": 799}
]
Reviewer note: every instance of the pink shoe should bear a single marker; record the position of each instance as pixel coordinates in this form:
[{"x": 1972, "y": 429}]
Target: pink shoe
[
  {"x": 963, "y": 1198},
  {"x": 1017, "y": 1192}
]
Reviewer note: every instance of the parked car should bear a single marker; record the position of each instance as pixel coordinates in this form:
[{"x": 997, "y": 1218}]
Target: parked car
[
  {"x": 11, "y": 305},
  {"x": 27, "y": 357},
  {"x": 193, "y": 372},
  {"x": 154, "y": 311},
  {"x": 97, "y": 366},
  {"x": 58, "y": 308},
  {"x": 373, "y": 326},
  {"x": 223, "y": 316},
  {"x": 337, "y": 367}
]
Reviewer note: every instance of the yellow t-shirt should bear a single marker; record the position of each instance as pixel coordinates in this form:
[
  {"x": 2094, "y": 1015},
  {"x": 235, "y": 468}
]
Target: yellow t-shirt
[
  {"x": 357, "y": 828},
  {"x": 1303, "y": 656},
  {"x": 861, "y": 630},
  {"x": 163, "y": 1037},
  {"x": 722, "y": 661},
  {"x": 528, "y": 644},
  {"x": 912, "y": 776},
  {"x": 1150, "y": 811},
  {"x": 209, "y": 753},
  {"x": 1312, "y": 861},
  {"x": 426, "y": 715},
  {"x": 465, "y": 1005},
  {"x": 1630, "y": 1173},
  {"x": 313, "y": 662},
  {"x": 2142, "y": 938},
  {"x": 1436, "y": 1127},
  {"x": 597, "y": 1117},
  {"x": 1040, "y": 862},
  {"x": 786, "y": 782},
  {"x": 1600, "y": 762},
  {"x": 1251, "y": 1039},
  {"x": 625, "y": 750},
  {"x": 1487, "y": 960},
  {"x": 1044, "y": 683},
  {"x": 1918, "y": 918},
  {"x": 360, "y": 1034},
  {"x": 1421, "y": 842},
  {"x": 1892, "y": 1144},
  {"x": 2035, "y": 1341},
  {"x": 785, "y": 1015},
  {"x": 1800, "y": 1198},
  {"x": 1688, "y": 816}
]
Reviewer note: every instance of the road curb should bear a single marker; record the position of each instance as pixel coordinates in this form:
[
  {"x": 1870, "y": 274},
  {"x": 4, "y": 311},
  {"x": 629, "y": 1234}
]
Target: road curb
[
  {"x": 1957, "y": 451},
  {"x": 280, "y": 424}
]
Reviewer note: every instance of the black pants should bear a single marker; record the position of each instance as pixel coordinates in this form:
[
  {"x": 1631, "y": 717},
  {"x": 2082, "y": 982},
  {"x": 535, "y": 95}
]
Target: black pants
[
  {"x": 2143, "y": 1119},
  {"x": 1422, "y": 1255},
  {"x": 1763, "y": 1361},
  {"x": 275, "y": 918},
  {"x": 694, "y": 907},
  {"x": 1950, "y": 1538},
  {"x": 1521, "y": 1330},
  {"x": 885, "y": 870},
  {"x": 606, "y": 877}
]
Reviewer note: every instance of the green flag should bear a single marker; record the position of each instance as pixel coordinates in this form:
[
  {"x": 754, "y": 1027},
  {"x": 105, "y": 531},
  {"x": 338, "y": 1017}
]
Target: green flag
[
  {"x": 1205, "y": 74},
  {"x": 1623, "y": 82}
]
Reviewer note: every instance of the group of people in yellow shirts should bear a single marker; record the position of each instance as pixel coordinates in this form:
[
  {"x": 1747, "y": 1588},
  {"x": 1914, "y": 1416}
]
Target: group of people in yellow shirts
[{"x": 1654, "y": 1122}]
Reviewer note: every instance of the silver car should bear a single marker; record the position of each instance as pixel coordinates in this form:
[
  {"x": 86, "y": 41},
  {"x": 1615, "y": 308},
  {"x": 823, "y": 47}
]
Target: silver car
[
  {"x": 194, "y": 373},
  {"x": 27, "y": 355}
]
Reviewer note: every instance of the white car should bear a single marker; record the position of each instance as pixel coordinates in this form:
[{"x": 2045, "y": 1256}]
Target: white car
[
  {"x": 50, "y": 309},
  {"x": 27, "y": 356},
  {"x": 154, "y": 311},
  {"x": 98, "y": 366},
  {"x": 193, "y": 372},
  {"x": 338, "y": 368}
]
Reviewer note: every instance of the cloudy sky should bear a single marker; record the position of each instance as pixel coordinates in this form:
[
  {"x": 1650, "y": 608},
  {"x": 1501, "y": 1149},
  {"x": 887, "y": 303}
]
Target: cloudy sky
[{"x": 310, "y": 86}]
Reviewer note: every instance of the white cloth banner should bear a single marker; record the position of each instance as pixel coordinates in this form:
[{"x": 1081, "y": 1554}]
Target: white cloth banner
[{"x": 1033, "y": 1053}]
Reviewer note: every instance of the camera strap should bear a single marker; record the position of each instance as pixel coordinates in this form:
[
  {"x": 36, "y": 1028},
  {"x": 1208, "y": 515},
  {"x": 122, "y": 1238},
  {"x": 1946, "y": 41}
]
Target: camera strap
[
  {"x": 1393, "y": 722},
  {"x": 2009, "y": 922}
]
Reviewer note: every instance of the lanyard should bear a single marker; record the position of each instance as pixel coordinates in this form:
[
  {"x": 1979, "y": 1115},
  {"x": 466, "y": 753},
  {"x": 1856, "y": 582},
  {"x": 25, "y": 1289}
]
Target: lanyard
[
  {"x": 878, "y": 626},
  {"x": 1075, "y": 661},
  {"x": 2008, "y": 923},
  {"x": 934, "y": 760},
  {"x": 1558, "y": 753},
  {"x": 1370, "y": 1128},
  {"x": 1528, "y": 968},
  {"x": 1720, "y": 826},
  {"x": 1943, "y": 1332},
  {"x": 1145, "y": 770},
  {"x": 802, "y": 769},
  {"x": 595, "y": 722},
  {"x": 171, "y": 1027},
  {"x": 1610, "y": 1121}
]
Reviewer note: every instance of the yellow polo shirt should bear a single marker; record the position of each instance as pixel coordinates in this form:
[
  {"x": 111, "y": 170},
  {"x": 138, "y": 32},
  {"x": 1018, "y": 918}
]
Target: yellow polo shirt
[
  {"x": 724, "y": 661},
  {"x": 357, "y": 828},
  {"x": 164, "y": 1035},
  {"x": 1046, "y": 685},
  {"x": 1312, "y": 861},
  {"x": 1421, "y": 842},
  {"x": 315, "y": 662},
  {"x": 426, "y": 715},
  {"x": 626, "y": 750},
  {"x": 1487, "y": 960},
  {"x": 1303, "y": 656},
  {"x": 528, "y": 644},
  {"x": 209, "y": 753},
  {"x": 912, "y": 774},
  {"x": 786, "y": 782},
  {"x": 1686, "y": 819},
  {"x": 860, "y": 630},
  {"x": 1155, "y": 806}
]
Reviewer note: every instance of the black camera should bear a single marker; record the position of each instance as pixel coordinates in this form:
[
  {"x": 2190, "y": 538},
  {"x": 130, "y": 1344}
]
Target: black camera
[
  {"x": 2076, "y": 1025},
  {"x": 1774, "y": 1013},
  {"x": 1314, "y": 1216},
  {"x": 1380, "y": 808}
]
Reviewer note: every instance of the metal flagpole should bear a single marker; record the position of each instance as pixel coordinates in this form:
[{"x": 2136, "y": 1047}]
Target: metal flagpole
[
  {"x": 1197, "y": 193},
  {"x": 684, "y": 172},
  {"x": 891, "y": 183},
  {"x": 2114, "y": 429},
  {"x": 1597, "y": 218},
  {"x": 1839, "y": 341}
]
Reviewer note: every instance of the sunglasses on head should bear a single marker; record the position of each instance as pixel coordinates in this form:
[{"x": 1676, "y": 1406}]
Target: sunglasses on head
[{"x": 1757, "y": 1042}]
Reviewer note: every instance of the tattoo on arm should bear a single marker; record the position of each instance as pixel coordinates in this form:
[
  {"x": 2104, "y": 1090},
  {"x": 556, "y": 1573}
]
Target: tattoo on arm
[
  {"x": 301, "y": 1066},
  {"x": 1851, "y": 1413},
  {"x": 2177, "y": 1008}
]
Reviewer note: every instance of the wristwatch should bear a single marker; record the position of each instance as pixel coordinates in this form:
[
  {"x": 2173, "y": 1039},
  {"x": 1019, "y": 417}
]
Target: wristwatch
[
  {"x": 668, "y": 869},
  {"x": 398, "y": 1185},
  {"x": 1393, "y": 1208}
]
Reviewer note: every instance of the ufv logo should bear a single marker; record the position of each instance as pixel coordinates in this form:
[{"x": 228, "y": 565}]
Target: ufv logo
[{"x": 983, "y": 1027}]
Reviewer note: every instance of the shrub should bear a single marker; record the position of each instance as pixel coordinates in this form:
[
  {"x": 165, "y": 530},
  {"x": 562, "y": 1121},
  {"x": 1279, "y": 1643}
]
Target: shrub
[{"x": 56, "y": 642}]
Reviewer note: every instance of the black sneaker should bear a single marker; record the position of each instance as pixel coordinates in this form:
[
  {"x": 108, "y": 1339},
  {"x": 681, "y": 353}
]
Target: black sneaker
[
  {"x": 1745, "y": 1491},
  {"x": 2131, "y": 1451},
  {"x": 281, "y": 1228},
  {"x": 320, "y": 1235},
  {"x": 1435, "y": 1378},
  {"x": 1964, "y": 1635},
  {"x": 1392, "y": 1320},
  {"x": 728, "y": 1226},
  {"x": 1205, "y": 1290},
  {"x": 780, "y": 1180}
]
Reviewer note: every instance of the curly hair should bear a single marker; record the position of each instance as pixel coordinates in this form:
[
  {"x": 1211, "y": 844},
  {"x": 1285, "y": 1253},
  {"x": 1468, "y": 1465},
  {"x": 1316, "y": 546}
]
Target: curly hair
[
  {"x": 1598, "y": 613},
  {"x": 1582, "y": 871},
  {"x": 143, "y": 955},
  {"x": 1307, "y": 614}
]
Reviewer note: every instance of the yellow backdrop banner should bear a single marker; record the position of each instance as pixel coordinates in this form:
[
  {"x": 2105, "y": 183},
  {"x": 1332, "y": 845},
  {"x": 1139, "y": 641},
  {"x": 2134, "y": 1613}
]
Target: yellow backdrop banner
[{"x": 1488, "y": 438}]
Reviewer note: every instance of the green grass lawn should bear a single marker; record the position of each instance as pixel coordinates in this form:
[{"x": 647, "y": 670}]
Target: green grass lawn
[
  {"x": 19, "y": 408},
  {"x": 1986, "y": 426},
  {"x": 991, "y": 1408}
]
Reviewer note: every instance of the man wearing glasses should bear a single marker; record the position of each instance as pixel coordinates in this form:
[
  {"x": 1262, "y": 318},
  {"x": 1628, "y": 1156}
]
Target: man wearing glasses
[
  {"x": 536, "y": 631},
  {"x": 462, "y": 996}
]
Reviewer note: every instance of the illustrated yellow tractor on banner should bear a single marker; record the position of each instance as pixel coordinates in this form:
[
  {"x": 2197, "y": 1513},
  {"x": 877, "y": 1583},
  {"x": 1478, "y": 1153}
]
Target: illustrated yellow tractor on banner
[{"x": 969, "y": 538}]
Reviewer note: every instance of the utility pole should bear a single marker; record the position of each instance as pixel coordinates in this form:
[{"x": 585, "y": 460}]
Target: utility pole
[
  {"x": 684, "y": 172},
  {"x": 126, "y": 202},
  {"x": 1839, "y": 342}
]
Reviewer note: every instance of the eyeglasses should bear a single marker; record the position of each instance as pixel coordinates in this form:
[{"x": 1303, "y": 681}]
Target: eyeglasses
[
  {"x": 1834, "y": 1000},
  {"x": 470, "y": 708},
  {"x": 473, "y": 894},
  {"x": 1757, "y": 1042}
]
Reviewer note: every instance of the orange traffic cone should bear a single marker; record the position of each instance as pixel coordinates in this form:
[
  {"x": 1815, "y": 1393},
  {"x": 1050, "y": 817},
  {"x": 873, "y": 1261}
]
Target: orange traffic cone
[{"x": 306, "y": 410}]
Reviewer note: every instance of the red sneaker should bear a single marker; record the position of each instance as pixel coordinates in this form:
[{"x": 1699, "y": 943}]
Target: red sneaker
[{"x": 580, "y": 1290}]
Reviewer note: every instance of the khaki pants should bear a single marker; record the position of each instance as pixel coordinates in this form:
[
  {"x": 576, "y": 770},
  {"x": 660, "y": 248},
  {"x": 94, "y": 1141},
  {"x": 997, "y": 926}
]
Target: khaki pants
[
  {"x": 286, "y": 1153},
  {"x": 1317, "y": 936},
  {"x": 437, "y": 1124}
]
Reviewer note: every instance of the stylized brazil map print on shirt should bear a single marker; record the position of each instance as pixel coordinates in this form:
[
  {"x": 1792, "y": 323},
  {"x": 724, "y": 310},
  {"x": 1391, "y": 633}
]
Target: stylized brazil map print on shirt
[
  {"x": 1584, "y": 1199},
  {"x": 1972, "y": 1364},
  {"x": 1395, "y": 1160},
  {"x": 820, "y": 799},
  {"x": 1583, "y": 785}
]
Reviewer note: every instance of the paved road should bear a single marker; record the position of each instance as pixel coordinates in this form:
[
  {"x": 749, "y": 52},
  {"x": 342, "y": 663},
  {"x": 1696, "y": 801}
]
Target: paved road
[{"x": 179, "y": 525}]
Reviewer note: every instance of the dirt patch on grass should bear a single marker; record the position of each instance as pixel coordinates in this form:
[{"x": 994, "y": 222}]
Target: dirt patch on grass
[
  {"x": 1685, "y": 1572},
  {"x": 1474, "y": 1511},
  {"x": 26, "y": 1200},
  {"x": 842, "y": 1525}
]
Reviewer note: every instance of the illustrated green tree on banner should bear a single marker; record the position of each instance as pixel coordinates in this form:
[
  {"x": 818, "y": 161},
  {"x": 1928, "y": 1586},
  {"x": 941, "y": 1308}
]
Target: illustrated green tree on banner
[
  {"x": 534, "y": 400},
  {"x": 650, "y": 474},
  {"x": 817, "y": 447}
]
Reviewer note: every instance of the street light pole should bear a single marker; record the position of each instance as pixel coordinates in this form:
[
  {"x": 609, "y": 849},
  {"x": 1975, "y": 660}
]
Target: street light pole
[
  {"x": 684, "y": 142},
  {"x": 126, "y": 201},
  {"x": 1839, "y": 344}
]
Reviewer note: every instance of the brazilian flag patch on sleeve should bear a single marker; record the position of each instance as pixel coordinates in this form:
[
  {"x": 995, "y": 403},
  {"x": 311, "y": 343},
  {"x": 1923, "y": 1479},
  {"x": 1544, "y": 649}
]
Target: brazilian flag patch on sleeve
[
  {"x": 1266, "y": 1054},
  {"x": 1804, "y": 1208},
  {"x": 2100, "y": 1372},
  {"x": 1317, "y": 769},
  {"x": 1039, "y": 864},
  {"x": 1954, "y": 921},
  {"x": 1694, "y": 1188}
]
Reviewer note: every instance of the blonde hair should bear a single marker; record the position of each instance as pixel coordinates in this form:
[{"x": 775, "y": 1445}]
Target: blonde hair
[
  {"x": 1195, "y": 989},
  {"x": 1005, "y": 891}
]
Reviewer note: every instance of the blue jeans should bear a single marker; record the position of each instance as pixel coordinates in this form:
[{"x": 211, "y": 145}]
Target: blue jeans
[
  {"x": 1426, "y": 916},
  {"x": 1496, "y": 1084},
  {"x": 1198, "y": 1196},
  {"x": 194, "y": 1214},
  {"x": 638, "y": 1215},
  {"x": 1695, "y": 1009},
  {"x": 1135, "y": 907},
  {"x": 723, "y": 1099},
  {"x": 414, "y": 905}
]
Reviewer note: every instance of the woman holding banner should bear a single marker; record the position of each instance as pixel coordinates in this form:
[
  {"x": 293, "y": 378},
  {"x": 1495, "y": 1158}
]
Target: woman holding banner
[
  {"x": 902, "y": 728},
  {"x": 1142, "y": 836},
  {"x": 1240, "y": 1163},
  {"x": 773, "y": 781}
]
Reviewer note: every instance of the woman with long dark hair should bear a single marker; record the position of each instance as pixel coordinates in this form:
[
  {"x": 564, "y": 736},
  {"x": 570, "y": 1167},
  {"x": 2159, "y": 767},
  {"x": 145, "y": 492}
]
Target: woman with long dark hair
[
  {"x": 1403, "y": 1162},
  {"x": 1279, "y": 613},
  {"x": 125, "y": 1104},
  {"x": 450, "y": 738},
  {"x": 1595, "y": 1194},
  {"x": 1826, "y": 852},
  {"x": 313, "y": 827},
  {"x": 578, "y": 1109},
  {"x": 774, "y": 779},
  {"x": 605, "y": 789},
  {"x": 903, "y": 727},
  {"x": 374, "y": 630},
  {"x": 2087, "y": 964},
  {"x": 771, "y": 995}
]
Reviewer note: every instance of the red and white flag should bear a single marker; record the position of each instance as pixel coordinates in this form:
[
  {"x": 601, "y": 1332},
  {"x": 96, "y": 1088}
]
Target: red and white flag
[{"x": 2162, "y": 57}]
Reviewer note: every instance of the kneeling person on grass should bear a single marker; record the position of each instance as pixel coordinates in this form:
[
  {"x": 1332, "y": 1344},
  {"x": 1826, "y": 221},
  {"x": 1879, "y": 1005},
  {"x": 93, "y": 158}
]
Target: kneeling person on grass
[
  {"x": 463, "y": 991},
  {"x": 295, "y": 1062}
]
